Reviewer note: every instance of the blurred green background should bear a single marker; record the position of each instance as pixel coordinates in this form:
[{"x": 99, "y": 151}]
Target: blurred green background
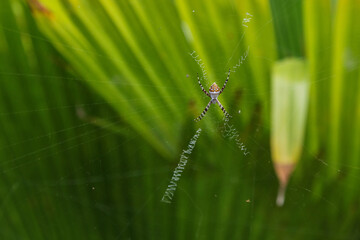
[{"x": 97, "y": 101}]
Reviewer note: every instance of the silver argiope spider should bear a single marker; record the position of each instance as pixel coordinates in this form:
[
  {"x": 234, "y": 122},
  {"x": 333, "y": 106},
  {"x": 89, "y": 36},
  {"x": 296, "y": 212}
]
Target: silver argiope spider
[{"x": 213, "y": 93}]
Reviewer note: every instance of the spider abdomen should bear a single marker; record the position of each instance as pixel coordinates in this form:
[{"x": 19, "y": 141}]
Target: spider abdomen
[
  {"x": 214, "y": 88},
  {"x": 214, "y": 91}
]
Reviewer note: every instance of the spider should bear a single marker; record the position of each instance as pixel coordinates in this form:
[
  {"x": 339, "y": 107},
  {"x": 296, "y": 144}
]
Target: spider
[{"x": 213, "y": 93}]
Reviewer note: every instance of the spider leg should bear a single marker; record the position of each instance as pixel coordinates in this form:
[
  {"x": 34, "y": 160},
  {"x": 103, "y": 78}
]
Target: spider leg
[
  {"x": 227, "y": 115},
  {"x": 202, "y": 86},
  {"x": 203, "y": 113},
  {"x": 227, "y": 79}
]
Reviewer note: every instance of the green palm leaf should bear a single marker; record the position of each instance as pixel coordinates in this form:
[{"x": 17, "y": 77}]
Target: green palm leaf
[{"x": 97, "y": 101}]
